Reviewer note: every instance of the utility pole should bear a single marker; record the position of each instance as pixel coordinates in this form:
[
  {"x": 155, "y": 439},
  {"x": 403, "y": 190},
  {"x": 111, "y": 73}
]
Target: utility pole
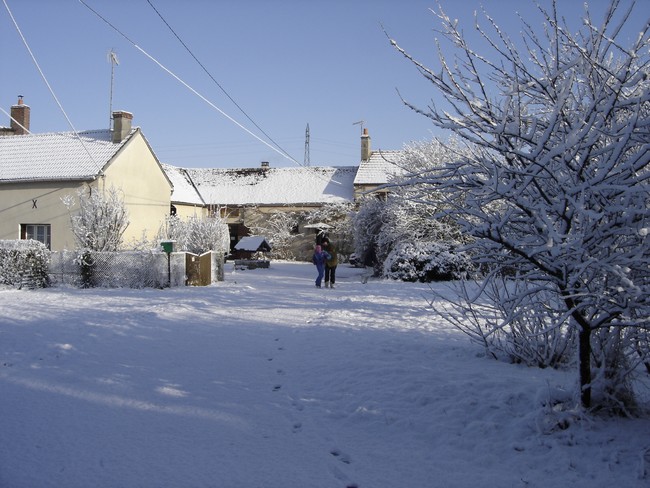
[{"x": 307, "y": 161}]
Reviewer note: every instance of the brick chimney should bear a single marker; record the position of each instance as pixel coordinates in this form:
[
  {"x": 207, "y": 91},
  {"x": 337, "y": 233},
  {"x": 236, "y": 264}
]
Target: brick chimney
[
  {"x": 20, "y": 117},
  {"x": 121, "y": 125},
  {"x": 365, "y": 145}
]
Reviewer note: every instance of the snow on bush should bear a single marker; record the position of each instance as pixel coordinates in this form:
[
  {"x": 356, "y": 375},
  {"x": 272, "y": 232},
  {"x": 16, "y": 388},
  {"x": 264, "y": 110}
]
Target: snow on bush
[
  {"x": 280, "y": 231},
  {"x": 196, "y": 235},
  {"x": 98, "y": 218},
  {"x": 24, "y": 263},
  {"x": 426, "y": 262},
  {"x": 514, "y": 321}
]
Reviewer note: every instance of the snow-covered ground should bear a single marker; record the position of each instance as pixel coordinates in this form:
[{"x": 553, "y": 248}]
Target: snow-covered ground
[{"x": 265, "y": 381}]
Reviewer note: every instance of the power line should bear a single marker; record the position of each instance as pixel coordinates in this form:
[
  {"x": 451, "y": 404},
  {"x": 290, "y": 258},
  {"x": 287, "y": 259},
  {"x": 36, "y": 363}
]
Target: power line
[
  {"x": 15, "y": 121},
  {"x": 49, "y": 87},
  {"x": 214, "y": 80},
  {"x": 186, "y": 85}
]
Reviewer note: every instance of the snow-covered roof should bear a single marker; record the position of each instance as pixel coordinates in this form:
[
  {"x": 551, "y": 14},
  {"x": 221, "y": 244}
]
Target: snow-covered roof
[
  {"x": 184, "y": 191},
  {"x": 274, "y": 186},
  {"x": 56, "y": 156},
  {"x": 252, "y": 243},
  {"x": 378, "y": 168}
]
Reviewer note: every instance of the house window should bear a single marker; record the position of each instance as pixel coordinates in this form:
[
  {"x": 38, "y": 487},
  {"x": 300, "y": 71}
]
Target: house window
[{"x": 38, "y": 232}]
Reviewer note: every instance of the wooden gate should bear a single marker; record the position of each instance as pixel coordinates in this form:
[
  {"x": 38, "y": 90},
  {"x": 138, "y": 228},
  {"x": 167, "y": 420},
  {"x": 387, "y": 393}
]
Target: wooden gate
[
  {"x": 192, "y": 269},
  {"x": 198, "y": 269}
]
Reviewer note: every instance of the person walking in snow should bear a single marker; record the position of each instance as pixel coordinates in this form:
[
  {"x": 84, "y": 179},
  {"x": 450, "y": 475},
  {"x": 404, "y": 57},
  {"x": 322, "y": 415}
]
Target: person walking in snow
[
  {"x": 319, "y": 258},
  {"x": 332, "y": 262}
]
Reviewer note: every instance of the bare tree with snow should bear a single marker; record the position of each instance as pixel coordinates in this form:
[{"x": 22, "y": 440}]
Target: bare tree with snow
[
  {"x": 280, "y": 230},
  {"x": 196, "y": 234},
  {"x": 98, "y": 219},
  {"x": 555, "y": 191}
]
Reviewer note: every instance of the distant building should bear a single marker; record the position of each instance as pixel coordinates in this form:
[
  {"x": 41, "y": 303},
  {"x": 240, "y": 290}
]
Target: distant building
[{"x": 246, "y": 197}]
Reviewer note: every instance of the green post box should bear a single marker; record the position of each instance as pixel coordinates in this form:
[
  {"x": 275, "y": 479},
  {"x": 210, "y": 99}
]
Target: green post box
[{"x": 168, "y": 247}]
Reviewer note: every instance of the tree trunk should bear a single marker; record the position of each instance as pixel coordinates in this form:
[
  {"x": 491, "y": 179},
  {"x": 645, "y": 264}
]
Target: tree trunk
[{"x": 584, "y": 359}]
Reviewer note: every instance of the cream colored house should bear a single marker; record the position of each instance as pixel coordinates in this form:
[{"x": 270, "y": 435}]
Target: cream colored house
[{"x": 38, "y": 170}]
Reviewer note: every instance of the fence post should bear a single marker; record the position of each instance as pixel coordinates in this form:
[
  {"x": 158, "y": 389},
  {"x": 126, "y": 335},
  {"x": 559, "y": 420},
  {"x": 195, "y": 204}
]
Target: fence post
[{"x": 168, "y": 247}]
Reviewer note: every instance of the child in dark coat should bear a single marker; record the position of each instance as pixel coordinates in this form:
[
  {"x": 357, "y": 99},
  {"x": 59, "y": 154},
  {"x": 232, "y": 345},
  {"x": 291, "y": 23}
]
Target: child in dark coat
[
  {"x": 319, "y": 258},
  {"x": 332, "y": 262}
]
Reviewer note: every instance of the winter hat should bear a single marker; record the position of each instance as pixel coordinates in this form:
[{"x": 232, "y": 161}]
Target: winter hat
[{"x": 318, "y": 249}]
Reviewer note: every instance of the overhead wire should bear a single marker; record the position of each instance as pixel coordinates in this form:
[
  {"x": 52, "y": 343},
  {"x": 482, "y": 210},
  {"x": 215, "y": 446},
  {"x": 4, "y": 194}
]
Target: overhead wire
[
  {"x": 227, "y": 94},
  {"x": 215, "y": 81},
  {"x": 49, "y": 87},
  {"x": 14, "y": 120},
  {"x": 186, "y": 85}
]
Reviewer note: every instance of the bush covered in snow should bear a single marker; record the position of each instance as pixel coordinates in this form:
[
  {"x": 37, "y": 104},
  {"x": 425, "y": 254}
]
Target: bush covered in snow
[
  {"x": 24, "y": 263},
  {"x": 426, "y": 262},
  {"x": 337, "y": 217},
  {"x": 196, "y": 235},
  {"x": 280, "y": 230},
  {"x": 98, "y": 218},
  {"x": 409, "y": 235}
]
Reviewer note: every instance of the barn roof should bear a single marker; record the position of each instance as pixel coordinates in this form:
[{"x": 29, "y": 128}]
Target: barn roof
[{"x": 274, "y": 186}]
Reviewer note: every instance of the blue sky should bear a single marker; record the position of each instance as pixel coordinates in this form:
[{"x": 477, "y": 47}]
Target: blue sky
[{"x": 287, "y": 63}]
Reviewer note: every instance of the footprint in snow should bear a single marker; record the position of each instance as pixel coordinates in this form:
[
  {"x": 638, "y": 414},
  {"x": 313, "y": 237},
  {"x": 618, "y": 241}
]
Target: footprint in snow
[{"x": 344, "y": 458}]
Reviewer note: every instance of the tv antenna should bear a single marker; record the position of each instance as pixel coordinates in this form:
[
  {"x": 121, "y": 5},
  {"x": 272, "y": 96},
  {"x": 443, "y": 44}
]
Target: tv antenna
[
  {"x": 307, "y": 158},
  {"x": 360, "y": 122},
  {"x": 112, "y": 58}
]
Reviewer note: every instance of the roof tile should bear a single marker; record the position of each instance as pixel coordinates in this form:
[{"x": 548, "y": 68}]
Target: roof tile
[{"x": 56, "y": 156}]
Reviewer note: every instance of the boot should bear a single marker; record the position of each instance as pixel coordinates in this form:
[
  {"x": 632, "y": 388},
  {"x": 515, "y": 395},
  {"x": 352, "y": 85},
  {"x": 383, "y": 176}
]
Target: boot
[{"x": 327, "y": 284}]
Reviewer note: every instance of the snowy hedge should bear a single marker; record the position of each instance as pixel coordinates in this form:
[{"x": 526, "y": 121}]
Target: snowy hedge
[
  {"x": 24, "y": 263},
  {"x": 426, "y": 262}
]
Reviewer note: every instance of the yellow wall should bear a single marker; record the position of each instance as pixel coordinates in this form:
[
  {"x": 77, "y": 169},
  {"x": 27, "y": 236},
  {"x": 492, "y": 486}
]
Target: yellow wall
[
  {"x": 144, "y": 187},
  {"x": 17, "y": 207},
  {"x": 185, "y": 211}
]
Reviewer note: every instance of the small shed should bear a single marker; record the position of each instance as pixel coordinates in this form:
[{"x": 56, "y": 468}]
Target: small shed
[
  {"x": 252, "y": 244},
  {"x": 247, "y": 247}
]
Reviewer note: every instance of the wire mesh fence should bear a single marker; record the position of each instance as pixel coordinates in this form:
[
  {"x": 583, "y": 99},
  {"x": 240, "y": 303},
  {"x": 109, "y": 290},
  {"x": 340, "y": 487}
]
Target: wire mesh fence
[{"x": 132, "y": 269}]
